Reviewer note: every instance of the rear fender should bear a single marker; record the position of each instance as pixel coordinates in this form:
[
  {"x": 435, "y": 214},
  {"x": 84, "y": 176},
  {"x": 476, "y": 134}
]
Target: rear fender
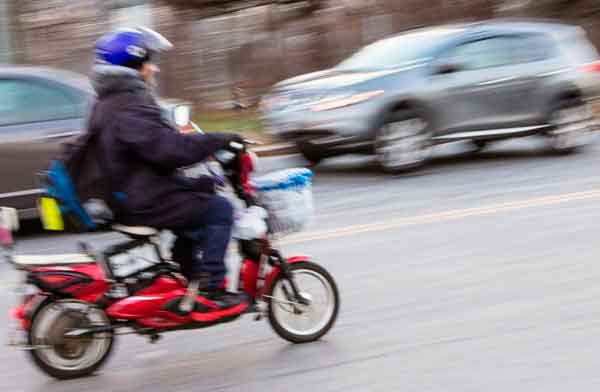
[
  {"x": 85, "y": 282},
  {"x": 561, "y": 92},
  {"x": 276, "y": 271},
  {"x": 26, "y": 311}
]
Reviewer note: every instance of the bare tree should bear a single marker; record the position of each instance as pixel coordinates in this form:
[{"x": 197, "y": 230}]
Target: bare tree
[{"x": 209, "y": 8}]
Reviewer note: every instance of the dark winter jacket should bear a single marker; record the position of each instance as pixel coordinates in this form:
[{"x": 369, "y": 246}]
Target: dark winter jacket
[{"x": 140, "y": 152}]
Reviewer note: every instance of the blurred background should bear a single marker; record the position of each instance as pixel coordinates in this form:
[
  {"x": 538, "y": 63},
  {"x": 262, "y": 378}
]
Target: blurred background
[
  {"x": 239, "y": 48},
  {"x": 477, "y": 273}
]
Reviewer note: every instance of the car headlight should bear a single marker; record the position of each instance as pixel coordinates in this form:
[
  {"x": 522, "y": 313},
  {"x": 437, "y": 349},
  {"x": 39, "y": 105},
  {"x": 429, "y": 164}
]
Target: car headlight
[
  {"x": 272, "y": 102},
  {"x": 340, "y": 101},
  {"x": 265, "y": 103}
]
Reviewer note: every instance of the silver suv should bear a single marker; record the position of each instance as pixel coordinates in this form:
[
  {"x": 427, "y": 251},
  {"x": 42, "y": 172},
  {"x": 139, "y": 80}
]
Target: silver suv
[{"x": 480, "y": 82}]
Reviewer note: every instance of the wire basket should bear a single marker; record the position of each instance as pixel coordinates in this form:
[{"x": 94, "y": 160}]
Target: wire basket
[{"x": 287, "y": 196}]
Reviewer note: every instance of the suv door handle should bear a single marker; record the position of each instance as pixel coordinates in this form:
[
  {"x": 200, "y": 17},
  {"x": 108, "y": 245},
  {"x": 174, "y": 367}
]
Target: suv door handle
[
  {"x": 53, "y": 136},
  {"x": 496, "y": 81},
  {"x": 61, "y": 135}
]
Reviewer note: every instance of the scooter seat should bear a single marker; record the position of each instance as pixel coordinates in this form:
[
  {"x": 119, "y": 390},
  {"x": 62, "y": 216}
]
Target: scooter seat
[
  {"x": 136, "y": 231},
  {"x": 51, "y": 260}
]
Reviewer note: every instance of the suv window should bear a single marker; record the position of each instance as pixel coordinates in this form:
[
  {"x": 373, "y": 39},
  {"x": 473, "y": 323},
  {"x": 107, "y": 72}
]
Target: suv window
[
  {"x": 25, "y": 101},
  {"x": 532, "y": 47},
  {"x": 483, "y": 53},
  {"x": 396, "y": 51},
  {"x": 578, "y": 50}
]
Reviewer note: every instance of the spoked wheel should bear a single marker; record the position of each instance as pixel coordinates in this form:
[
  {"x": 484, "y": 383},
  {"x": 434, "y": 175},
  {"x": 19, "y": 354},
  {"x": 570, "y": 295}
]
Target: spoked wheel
[
  {"x": 403, "y": 142},
  {"x": 65, "y": 357},
  {"x": 307, "y": 320},
  {"x": 570, "y": 122}
]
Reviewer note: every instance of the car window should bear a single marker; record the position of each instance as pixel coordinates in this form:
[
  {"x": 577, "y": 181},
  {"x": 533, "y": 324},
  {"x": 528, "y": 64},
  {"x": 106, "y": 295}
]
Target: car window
[
  {"x": 480, "y": 54},
  {"x": 25, "y": 101},
  {"x": 578, "y": 50},
  {"x": 532, "y": 47},
  {"x": 396, "y": 51}
]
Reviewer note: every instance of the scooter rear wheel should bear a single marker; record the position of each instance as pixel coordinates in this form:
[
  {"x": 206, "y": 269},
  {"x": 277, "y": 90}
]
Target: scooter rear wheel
[
  {"x": 303, "y": 323},
  {"x": 64, "y": 357}
]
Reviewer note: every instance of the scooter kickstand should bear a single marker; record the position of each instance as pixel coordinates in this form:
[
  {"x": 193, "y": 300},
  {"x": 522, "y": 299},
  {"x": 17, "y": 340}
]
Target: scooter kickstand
[
  {"x": 154, "y": 338},
  {"x": 260, "y": 311}
]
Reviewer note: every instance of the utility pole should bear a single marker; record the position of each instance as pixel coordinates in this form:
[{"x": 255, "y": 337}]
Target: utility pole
[{"x": 5, "y": 32}]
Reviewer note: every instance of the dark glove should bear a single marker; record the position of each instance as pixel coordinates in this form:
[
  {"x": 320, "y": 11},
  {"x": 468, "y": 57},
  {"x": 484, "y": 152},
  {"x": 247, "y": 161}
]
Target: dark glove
[{"x": 231, "y": 138}]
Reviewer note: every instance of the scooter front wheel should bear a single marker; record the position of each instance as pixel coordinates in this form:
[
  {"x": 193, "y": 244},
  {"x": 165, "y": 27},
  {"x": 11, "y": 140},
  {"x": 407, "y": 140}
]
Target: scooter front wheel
[
  {"x": 311, "y": 317},
  {"x": 64, "y": 357}
]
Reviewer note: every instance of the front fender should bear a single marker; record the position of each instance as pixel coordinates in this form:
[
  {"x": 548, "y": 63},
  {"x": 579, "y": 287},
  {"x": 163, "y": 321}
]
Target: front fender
[
  {"x": 276, "y": 271},
  {"x": 398, "y": 102}
]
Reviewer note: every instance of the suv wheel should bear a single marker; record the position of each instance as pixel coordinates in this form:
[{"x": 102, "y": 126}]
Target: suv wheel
[
  {"x": 403, "y": 142},
  {"x": 569, "y": 122}
]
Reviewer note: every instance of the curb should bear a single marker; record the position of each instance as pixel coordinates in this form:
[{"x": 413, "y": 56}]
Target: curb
[{"x": 275, "y": 149}]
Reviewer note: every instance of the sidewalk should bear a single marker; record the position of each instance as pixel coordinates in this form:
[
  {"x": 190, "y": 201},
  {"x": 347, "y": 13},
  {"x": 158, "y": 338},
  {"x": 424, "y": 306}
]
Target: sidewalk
[{"x": 274, "y": 149}]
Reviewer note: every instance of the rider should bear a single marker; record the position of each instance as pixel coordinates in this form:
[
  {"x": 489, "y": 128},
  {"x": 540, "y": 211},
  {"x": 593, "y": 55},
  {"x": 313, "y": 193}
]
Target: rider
[{"x": 141, "y": 151}]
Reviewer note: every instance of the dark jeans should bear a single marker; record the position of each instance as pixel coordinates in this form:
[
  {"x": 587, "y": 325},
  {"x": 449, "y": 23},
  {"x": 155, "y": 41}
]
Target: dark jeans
[{"x": 201, "y": 251}]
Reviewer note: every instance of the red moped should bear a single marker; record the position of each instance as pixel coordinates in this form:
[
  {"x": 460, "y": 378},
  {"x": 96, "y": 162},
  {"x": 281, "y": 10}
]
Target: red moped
[{"x": 77, "y": 304}]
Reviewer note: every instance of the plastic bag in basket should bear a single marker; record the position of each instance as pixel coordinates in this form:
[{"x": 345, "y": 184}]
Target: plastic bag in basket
[{"x": 287, "y": 195}]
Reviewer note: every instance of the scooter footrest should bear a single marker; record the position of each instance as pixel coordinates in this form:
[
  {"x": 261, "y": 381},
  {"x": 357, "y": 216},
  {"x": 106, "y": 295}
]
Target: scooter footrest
[{"x": 220, "y": 315}]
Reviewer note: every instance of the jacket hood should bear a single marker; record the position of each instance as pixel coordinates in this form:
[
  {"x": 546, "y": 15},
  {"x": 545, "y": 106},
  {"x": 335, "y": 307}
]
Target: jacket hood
[{"x": 113, "y": 79}]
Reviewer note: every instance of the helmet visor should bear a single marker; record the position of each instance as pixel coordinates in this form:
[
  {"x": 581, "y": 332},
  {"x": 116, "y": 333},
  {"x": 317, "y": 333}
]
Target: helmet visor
[{"x": 155, "y": 42}]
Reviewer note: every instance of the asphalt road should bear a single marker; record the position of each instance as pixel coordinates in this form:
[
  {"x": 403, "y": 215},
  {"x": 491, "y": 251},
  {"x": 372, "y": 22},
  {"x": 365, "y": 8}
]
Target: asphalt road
[{"x": 478, "y": 273}]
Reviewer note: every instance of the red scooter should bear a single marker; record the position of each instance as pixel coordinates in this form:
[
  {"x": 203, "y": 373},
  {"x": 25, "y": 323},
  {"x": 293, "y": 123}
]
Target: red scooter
[{"x": 78, "y": 304}]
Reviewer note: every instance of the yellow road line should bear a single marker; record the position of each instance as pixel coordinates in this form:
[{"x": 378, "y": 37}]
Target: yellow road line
[{"x": 443, "y": 216}]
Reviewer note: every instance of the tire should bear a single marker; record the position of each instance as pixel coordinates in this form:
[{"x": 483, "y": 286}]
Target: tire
[
  {"x": 276, "y": 309},
  {"x": 67, "y": 318},
  {"x": 569, "y": 120},
  {"x": 403, "y": 141},
  {"x": 310, "y": 154}
]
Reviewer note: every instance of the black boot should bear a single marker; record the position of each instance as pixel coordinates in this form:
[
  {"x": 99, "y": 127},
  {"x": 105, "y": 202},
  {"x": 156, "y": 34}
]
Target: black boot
[{"x": 225, "y": 299}]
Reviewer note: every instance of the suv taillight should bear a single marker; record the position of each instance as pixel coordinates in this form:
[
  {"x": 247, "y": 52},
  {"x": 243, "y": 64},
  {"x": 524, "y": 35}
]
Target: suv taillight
[{"x": 591, "y": 67}]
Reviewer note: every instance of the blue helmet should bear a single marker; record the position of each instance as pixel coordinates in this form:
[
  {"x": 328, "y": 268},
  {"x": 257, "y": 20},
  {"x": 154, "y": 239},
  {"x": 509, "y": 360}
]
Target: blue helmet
[{"x": 130, "y": 47}]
